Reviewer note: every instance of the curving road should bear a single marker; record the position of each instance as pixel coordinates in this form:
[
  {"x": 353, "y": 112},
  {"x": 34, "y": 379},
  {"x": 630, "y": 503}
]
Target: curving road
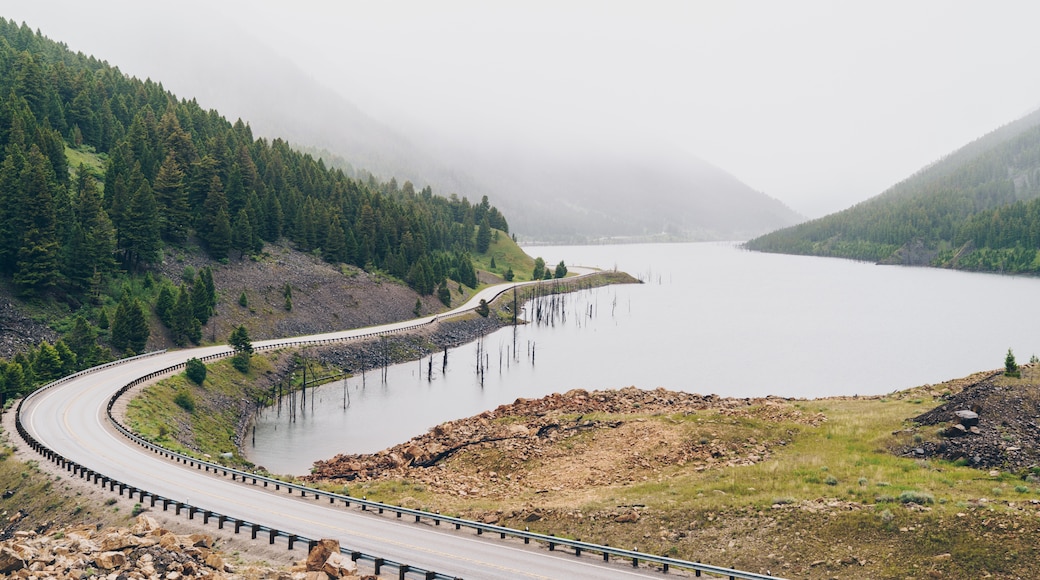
[{"x": 71, "y": 419}]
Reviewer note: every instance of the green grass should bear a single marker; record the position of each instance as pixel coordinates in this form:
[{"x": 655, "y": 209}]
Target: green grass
[
  {"x": 93, "y": 162},
  {"x": 507, "y": 254},
  {"x": 208, "y": 426}
]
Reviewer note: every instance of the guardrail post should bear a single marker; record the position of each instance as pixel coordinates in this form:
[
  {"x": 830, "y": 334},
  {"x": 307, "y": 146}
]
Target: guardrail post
[
  {"x": 165, "y": 504},
  {"x": 220, "y": 522},
  {"x": 697, "y": 572},
  {"x": 635, "y": 562},
  {"x": 256, "y": 528},
  {"x": 606, "y": 555},
  {"x": 274, "y": 534},
  {"x": 205, "y": 516},
  {"x": 402, "y": 570},
  {"x": 292, "y": 540},
  {"x": 238, "y": 525},
  {"x": 177, "y": 508},
  {"x": 378, "y": 565},
  {"x": 552, "y": 545}
]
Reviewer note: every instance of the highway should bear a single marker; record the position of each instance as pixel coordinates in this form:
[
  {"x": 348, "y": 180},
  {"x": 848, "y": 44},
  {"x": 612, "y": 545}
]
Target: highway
[{"x": 71, "y": 419}]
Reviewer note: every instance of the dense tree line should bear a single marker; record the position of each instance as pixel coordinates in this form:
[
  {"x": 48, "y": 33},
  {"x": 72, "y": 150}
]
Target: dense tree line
[
  {"x": 175, "y": 175},
  {"x": 974, "y": 209}
]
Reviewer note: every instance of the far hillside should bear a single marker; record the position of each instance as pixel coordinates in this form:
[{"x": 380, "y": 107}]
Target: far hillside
[{"x": 976, "y": 209}]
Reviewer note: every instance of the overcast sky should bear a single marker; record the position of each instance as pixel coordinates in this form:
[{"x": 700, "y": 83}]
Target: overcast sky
[{"x": 819, "y": 104}]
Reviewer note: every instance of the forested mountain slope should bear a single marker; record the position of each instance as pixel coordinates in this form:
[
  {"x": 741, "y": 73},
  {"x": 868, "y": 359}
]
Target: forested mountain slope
[
  {"x": 102, "y": 176},
  {"x": 976, "y": 209}
]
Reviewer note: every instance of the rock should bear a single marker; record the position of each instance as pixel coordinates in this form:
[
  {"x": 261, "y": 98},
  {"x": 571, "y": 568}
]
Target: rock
[
  {"x": 201, "y": 540},
  {"x": 110, "y": 560},
  {"x": 215, "y": 561},
  {"x": 967, "y": 418},
  {"x": 629, "y": 517},
  {"x": 320, "y": 553},
  {"x": 144, "y": 525},
  {"x": 490, "y": 518},
  {"x": 955, "y": 430},
  {"x": 339, "y": 566},
  {"x": 117, "y": 541},
  {"x": 10, "y": 560},
  {"x": 533, "y": 516}
]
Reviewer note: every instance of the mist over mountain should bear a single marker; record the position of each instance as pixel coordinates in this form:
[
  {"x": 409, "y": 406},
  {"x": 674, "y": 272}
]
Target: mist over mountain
[{"x": 557, "y": 189}]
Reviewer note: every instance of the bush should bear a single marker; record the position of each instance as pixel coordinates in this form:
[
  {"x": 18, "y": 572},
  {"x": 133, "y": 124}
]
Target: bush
[
  {"x": 241, "y": 362},
  {"x": 483, "y": 309},
  {"x": 195, "y": 370},
  {"x": 184, "y": 400},
  {"x": 917, "y": 497}
]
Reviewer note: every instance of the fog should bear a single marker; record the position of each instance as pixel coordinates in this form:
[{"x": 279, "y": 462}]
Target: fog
[{"x": 817, "y": 104}]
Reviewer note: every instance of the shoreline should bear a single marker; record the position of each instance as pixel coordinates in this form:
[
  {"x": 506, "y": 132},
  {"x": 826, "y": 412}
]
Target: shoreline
[{"x": 354, "y": 358}]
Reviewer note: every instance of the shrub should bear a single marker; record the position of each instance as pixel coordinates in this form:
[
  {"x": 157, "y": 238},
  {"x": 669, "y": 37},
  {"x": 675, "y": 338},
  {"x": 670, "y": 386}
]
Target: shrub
[
  {"x": 917, "y": 497},
  {"x": 195, "y": 370},
  {"x": 243, "y": 300},
  {"x": 831, "y": 480},
  {"x": 1010, "y": 366},
  {"x": 241, "y": 362},
  {"x": 184, "y": 400}
]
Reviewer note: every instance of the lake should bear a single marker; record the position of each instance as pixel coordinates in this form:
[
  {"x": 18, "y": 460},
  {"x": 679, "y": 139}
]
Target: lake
[{"x": 709, "y": 318}]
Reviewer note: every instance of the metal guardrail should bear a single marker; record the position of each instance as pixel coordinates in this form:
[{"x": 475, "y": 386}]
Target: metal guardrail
[{"x": 552, "y": 542}]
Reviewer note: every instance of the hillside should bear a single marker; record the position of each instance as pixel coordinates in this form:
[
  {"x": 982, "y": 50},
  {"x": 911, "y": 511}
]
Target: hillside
[
  {"x": 975, "y": 209},
  {"x": 131, "y": 218}
]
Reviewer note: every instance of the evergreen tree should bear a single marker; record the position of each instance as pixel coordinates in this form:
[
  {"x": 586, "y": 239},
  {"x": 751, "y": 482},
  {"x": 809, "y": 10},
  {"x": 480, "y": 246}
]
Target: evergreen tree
[
  {"x": 184, "y": 325},
  {"x": 1010, "y": 366},
  {"x": 69, "y": 362},
  {"x": 539, "y": 269},
  {"x": 82, "y": 341},
  {"x": 483, "y": 235},
  {"x": 242, "y": 233},
  {"x": 561, "y": 270},
  {"x": 141, "y": 243},
  {"x": 239, "y": 341},
  {"x": 444, "y": 294},
  {"x": 37, "y": 267},
  {"x": 47, "y": 363},
  {"x": 164, "y": 305},
  {"x": 172, "y": 196},
  {"x": 129, "y": 327}
]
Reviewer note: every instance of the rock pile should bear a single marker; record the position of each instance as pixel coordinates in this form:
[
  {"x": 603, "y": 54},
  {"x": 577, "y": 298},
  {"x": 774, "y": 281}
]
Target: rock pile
[
  {"x": 147, "y": 551},
  {"x": 529, "y": 429},
  {"x": 992, "y": 422}
]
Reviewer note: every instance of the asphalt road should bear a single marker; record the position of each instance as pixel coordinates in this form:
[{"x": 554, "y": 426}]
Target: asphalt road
[{"x": 71, "y": 419}]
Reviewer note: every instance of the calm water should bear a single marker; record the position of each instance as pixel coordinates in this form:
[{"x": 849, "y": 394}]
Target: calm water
[{"x": 711, "y": 318}]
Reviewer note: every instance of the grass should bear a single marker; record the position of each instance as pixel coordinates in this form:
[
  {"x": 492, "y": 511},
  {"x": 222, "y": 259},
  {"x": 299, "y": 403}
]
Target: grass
[
  {"x": 93, "y": 162},
  {"x": 507, "y": 254},
  {"x": 212, "y": 420}
]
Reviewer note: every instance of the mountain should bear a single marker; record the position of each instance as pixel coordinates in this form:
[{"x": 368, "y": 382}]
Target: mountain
[
  {"x": 638, "y": 193},
  {"x": 551, "y": 192},
  {"x": 978, "y": 208}
]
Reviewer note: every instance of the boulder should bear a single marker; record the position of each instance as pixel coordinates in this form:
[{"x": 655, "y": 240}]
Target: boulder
[
  {"x": 339, "y": 566},
  {"x": 629, "y": 517},
  {"x": 967, "y": 418},
  {"x": 10, "y": 560},
  {"x": 117, "y": 541},
  {"x": 320, "y": 553},
  {"x": 110, "y": 560}
]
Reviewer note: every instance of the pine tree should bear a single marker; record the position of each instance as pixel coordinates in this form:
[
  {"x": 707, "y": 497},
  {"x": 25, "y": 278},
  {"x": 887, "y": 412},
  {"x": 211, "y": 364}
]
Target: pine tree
[
  {"x": 140, "y": 234},
  {"x": 129, "y": 326},
  {"x": 164, "y": 305},
  {"x": 184, "y": 326},
  {"x": 47, "y": 363},
  {"x": 172, "y": 198},
  {"x": 483, "y": 236},
  {"x": 1010, "y": 366},
  {"x": 37, "y": 266},
  {"x": 242, "y": 233},
  {"x": 82, "y": 340}
]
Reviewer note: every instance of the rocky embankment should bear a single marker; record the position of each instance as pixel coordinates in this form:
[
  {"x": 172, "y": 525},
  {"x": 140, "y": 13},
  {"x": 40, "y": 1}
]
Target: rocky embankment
[
  {"x": 992, "y": 423},
  {"x": 627, "y": 446},
  {"x": 146, "y": 551}
]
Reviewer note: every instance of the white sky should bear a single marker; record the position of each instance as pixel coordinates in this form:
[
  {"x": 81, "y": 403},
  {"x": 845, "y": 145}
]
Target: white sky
[{"x": 818, "y": 103}]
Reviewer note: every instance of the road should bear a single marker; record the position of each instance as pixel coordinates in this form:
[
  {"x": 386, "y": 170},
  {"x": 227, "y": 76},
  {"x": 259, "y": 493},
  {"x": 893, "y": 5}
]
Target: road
[{"x": 71, "y": 419}]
